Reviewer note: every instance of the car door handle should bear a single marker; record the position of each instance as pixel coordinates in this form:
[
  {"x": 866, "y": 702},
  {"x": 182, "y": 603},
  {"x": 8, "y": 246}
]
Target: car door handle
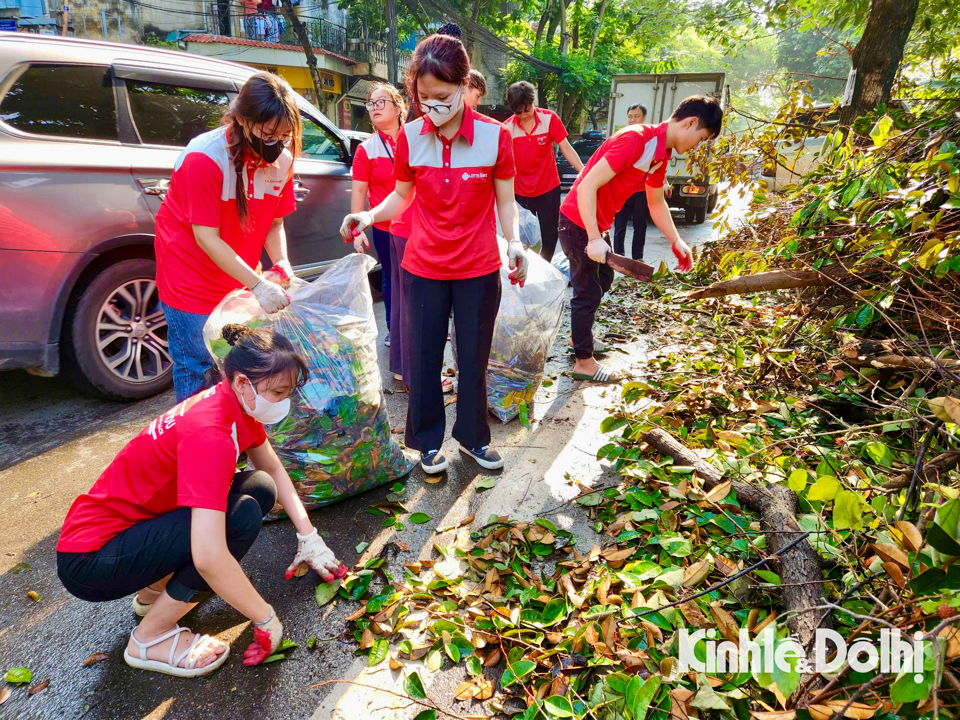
[
  {"x": 154, "y": 186},
  {"x": 300, "y": 191}
]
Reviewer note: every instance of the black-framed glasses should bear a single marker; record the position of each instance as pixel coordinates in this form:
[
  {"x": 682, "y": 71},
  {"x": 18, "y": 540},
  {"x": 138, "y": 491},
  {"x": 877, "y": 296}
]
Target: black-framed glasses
[
  {"x": 441, "y": 109},
  {"x": 377, "y": 104}
]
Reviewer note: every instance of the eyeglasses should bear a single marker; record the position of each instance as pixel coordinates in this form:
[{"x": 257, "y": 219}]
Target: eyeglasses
[
  {"x": 440, "y": 109},
  {"x": 377, "y": 104},
  {"x": 287, "y": 139}
]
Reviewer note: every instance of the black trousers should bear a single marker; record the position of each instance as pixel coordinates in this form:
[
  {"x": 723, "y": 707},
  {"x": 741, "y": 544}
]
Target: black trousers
[
  {"x": 426, "y": 308},
  {"x": 636, "y": 206},
  {"x": 149, "y": 551},
  {"x": 590, "y": 282},
  {"x": 547, "y": 209}
]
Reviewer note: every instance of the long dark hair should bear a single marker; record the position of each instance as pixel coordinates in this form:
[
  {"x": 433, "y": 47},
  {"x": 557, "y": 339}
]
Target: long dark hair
[
  {"x": 264, "y": 98},
  {"x": 260, "y": 354},
  {"x": 440, "y": 55}
]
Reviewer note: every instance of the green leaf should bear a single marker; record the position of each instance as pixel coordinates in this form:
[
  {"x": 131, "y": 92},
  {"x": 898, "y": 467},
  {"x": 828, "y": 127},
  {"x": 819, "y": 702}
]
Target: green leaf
[
  {"x": 219, "y": 347},
  {"x": 905, "y": 689},
  {"x": 825, "y": 488},
  {"x": 847, "y": 512},
  {"x": 798, "y": 480},
  {"x": 865, "y": 316},
  {"x": 285, "y": 645},
  {"x": 941, "y": 542},
  {"x": 517, "y": 671},
  {"x": 426, "y": 715},
  {"x": 879, "y": 453},
  {"x": 419, "y": 518},
  {"x": 706, "y": 698},
  {"x": 558, "y": 706},
  {"x": 675, "y": 544},
  {"x": 554, "y": 611},
  {"x": 18, "y": 675},
  {"x": 326, "y": 592},
  {"x": 361, "y": 547},
  {"x": 487, "y": 483},
  {"x": 524, "y": 413},
  {"x": 640, "y": 696},
  {"x": 274, "y": 658},
  {"x": 311, "y": 642},
  {"x": 434, "y": 660},
  {"x": 413, "y": 686},
  {"x": 452, "y": 651},
  {"x": 474, "y": 666},
  {"x": 881, "y": 130},
  {"x": 378, "y": 652}
]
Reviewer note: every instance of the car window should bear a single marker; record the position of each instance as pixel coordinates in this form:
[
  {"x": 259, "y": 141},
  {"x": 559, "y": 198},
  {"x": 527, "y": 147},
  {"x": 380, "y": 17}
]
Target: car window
[
  {"x": 63, "y": 101},
  {"x": 319, "y": 143},
  {"x": 586, "y": 148},
  {"x": 174, "y": 115}
]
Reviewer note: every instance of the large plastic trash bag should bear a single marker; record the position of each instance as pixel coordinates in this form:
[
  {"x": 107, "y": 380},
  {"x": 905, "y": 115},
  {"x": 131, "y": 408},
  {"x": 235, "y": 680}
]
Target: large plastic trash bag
[
  {"x": 529, "y": 229},
  {"x": 527, "y": 324},
  {"x": 336, "y": 441}
]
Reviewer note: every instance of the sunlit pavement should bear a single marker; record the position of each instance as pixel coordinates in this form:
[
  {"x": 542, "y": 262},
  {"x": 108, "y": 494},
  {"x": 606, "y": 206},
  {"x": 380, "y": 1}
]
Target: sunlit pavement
[{"x": 54, "y": 444}]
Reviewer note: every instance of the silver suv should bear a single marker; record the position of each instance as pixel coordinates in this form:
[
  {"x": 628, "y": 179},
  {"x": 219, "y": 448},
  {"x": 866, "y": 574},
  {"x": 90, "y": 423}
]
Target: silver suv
[{"x": 89, "y": 132}]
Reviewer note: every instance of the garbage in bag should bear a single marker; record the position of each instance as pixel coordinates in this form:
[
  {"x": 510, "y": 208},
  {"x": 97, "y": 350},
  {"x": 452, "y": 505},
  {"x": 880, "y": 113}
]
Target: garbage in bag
[
  {"x": 527, "y": 324},
  {"x": 529, "y": 229},
  {"x": 336, "y": 441}
]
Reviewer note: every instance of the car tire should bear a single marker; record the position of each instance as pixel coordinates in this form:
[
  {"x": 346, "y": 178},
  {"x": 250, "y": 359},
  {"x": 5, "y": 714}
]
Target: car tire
[
  {"x": 116, "y": 335},
  {"x": 696, "y": 214}
]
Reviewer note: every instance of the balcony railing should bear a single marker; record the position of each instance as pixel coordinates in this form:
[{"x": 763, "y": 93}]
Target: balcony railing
[{"x": 323, "y": 34}]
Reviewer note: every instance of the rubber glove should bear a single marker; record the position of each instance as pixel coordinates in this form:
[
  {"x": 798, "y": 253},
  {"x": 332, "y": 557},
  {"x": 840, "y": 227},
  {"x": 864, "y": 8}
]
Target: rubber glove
[
  {"x": 519, "y": 263},
  {"x": 354, "y": 224},
  {"x": 271, "y": 296},
  {"x": 360, "y": 242},
  {"x": 313, "y": 551},
  {"x": 282, "y": 269},
  {"x": 266, "y": 639},
  {"x": 683, "y": 254},
  {"x": 597, "y": 250}
]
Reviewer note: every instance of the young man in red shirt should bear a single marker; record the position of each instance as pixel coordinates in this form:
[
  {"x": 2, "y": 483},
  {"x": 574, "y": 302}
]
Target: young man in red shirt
[{"x": 634, "y": 158}]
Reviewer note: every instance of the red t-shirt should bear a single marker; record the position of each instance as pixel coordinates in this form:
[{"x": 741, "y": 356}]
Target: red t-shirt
[
  {"x": 638, "y": 154},
  {"x": 533, "y": 152},
  {"x": 454, "y": 227},
  {"x": 373, "y": 164},
  {"x": 203, "y": 192},
  {"x": 187, "y": 457}
]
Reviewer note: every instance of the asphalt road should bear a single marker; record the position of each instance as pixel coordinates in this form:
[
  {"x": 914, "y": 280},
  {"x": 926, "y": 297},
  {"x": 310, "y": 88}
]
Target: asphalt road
[{"x": 53, "y": 445}]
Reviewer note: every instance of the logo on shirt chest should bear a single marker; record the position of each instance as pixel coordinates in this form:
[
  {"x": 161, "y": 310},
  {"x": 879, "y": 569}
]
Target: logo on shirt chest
[
  {"x": 474, "y": 176},
  {"x": 541, "y": 139}
]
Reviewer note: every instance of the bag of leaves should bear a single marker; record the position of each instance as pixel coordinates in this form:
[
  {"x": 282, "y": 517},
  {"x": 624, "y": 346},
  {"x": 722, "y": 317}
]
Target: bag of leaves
[
  {"x": 527, "y": 324},
  {"x": 530, "y": 234},
  {"x": 336, "y": 441}
]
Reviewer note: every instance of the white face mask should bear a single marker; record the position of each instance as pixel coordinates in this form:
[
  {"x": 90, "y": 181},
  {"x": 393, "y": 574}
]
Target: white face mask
[
  {"x": 265, "y": 411},
  {"x": 437, "y": 119}
]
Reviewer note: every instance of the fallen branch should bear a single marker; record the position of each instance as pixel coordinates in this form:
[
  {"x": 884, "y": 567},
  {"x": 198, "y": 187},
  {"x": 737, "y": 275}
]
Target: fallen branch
[
  {"x": 773, "y": 280},
  {"x": 898, "y": 362},
  {"x": 777, "y": 507}
]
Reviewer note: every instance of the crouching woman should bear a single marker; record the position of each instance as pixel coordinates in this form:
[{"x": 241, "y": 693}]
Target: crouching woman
[{"x": 171, "y": 518}]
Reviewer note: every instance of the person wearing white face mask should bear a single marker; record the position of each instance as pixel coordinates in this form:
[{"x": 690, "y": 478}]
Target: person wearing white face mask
[{"x": 171, "y": 518}]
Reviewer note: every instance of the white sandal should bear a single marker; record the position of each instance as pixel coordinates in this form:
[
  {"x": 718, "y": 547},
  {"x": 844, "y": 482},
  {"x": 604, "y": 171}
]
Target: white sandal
[
  {"x": 172, "y": 666},
  {"x": 141, "y": 609}
]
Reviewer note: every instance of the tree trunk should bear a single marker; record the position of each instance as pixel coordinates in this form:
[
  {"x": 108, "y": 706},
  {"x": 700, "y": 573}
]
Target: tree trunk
[
  {"x": 596, "y": 32},
  {"x": 876, "y": 58},
  {"x": 773, "y": 280},
  {"x": 477, "y": 7},
  {"x": 300, "y": 30},
  {"x": 563, "y": 51},
  {"x": 541, "y": 26},
  {"x": 577, "y": 18}
]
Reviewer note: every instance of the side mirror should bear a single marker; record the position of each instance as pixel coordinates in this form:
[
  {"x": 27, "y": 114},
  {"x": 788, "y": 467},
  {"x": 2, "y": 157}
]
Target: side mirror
[{"x": 355, "y": 143}]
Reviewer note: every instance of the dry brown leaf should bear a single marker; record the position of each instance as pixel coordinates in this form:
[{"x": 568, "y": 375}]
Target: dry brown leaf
[
  {"x": 952, "y": 407},
  {"x": 682, "y": 694},
  {"x": 820, "y": 712},
  {"x": 39, "y": 687},
  {"x": 402, "y": 545},
  {"x": 907, "y": 535},
  {"x": 953, "y": 641},
  {"x": 895, "y": 573},
  {"x": 889, "y": 552},
  {"x": 752, "y": 618},
  {"x": 695, "y": 574},
  {"x": 678, "y": 710},
  {"x": 34, "y": 595},
  {"x": 725, "y": 623},
  {"x": 491, "y": 583},
  {"x": 714, "y": 682},
  {"x": 358, "y": 614},
  {"x": 433, "y": 479},
  {"x": 726, "y": 566},
  {"x": 693, "y": 615},
  {"x": 395, "y": 664},
  {"x": 609, "y": 629},
  {"x": 720, "y": 491},
  {"x": 4, "y": 694},
  {"x": 413, "y": 567},
  {"x": 492, "y": 659},
  {"x": 559, "y": 686},
  {"x": 367, "y": 639},
  {"x": 477, "y": 689},
  {"x": 95, "y": 658},
  {"x": 590, "y": 635},
  {"x": 856, "y": 711},
  {"x": 763, "y": 623},
  {"x": 603, "y": 589},
  {"x": 301, "y": 570},
  {"x": 778, "y": 715}
]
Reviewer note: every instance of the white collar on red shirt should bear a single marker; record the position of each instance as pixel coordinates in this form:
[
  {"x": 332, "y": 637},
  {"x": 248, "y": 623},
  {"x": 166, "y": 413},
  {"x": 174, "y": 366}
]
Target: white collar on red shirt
[
  {"x": 466, "y": 126},
  {"x": 515, "y": 119}
]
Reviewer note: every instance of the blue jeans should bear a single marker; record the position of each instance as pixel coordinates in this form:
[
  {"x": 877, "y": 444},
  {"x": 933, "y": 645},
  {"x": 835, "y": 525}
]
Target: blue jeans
[
  {"x": 191, "y": 359},
  {"x": 381, "y": 242}
]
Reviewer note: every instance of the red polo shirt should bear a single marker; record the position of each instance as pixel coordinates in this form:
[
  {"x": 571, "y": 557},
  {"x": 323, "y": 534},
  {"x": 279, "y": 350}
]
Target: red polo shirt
[
  {"x": 454, "y": 228},
  {"x": 373, "y": 164},
  {"x": 185, "y": 458},
  {"x": 638, "y": 154},
  {"x": 533, "y": 152},
  {"x": 203, "y": 192}
]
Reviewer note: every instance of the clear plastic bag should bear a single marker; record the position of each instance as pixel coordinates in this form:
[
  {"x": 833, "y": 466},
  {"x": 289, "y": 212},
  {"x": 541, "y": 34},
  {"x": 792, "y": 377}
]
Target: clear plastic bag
[
  {"x": 527, "y": 323},
  {"x": 529, "y": 229},
  {"x": 336, "y": 441}
]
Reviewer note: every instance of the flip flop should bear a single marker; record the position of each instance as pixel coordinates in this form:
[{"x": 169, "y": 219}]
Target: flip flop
[
  {"x": 172, "y": 665},
  {"x": 602, "y": 375},
  {"x": 141, "y": 609},
  {"x": 446, "y": 385}
]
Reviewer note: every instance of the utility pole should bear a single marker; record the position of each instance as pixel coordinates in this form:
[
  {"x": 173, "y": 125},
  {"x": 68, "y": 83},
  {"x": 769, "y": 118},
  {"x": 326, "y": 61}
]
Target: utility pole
[{"x": 392, "y": 41}]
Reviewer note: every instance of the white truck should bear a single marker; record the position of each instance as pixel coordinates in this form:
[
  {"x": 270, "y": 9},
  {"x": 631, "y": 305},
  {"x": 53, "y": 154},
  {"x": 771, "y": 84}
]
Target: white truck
[{"x": 696, "y": 196}]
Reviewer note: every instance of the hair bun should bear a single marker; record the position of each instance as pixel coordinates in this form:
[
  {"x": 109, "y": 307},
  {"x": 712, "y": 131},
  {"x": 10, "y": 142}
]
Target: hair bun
[
  {"x": 234, "y": 333},
  {"x": 451, "y": 29}
]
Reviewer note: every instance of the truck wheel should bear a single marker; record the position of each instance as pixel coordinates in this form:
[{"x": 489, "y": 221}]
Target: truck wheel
[
  {"x": 700, "y": 214},
  {"x": 116, "y": 335}
]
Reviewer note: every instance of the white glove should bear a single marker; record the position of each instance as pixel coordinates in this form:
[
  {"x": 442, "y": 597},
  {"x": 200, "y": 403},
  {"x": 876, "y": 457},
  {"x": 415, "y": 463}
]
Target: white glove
[
  {"x": 354, "y": 224},
  {"x": 313, "y": 551},
  {"x": 271, "y": 296},
  {"x": 360, "y": 242},
  {"x": 597, "y": 250},
  {"x": 519, "y": 262},
  {"x": 283, "y": 268},
  {"x": 266, "y": 639}
]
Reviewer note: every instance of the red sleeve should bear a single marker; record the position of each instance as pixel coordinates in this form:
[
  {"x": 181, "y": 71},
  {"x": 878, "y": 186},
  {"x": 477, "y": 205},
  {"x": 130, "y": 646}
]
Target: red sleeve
[
  {"x": 505, "y": 168},
  {"x": 657, "y": 178},
  {"x": 288, "y": 201},
  {"x": 624, "y": 150},
  {"x": 362, "y": 168},
  {"x": 203, "y": 182},
  {"x": 558, "y": 133},
  {"x": 206, "y": 463},
  {"x": 402, "y": 172}
]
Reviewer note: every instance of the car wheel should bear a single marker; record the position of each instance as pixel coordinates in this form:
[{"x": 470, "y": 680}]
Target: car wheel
[
  {"x": 700, "y": 215},
  {"x": 117, "y": 335}
]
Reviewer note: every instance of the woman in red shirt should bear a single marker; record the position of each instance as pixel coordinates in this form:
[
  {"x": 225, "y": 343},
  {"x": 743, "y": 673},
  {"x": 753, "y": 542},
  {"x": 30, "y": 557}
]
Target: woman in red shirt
[
  {"x": 231, "y": 188},
  {"x": 534, "y": 131},
  {"x": 171, "y": 518},
  {"x": 458, "y": 164}
]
